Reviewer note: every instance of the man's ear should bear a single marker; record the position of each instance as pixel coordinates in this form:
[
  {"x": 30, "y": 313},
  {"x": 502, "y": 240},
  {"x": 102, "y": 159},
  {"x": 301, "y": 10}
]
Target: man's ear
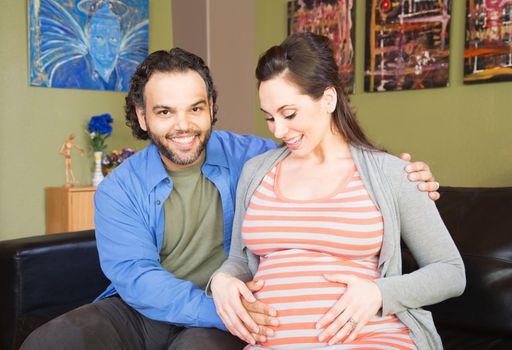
[
  {"x": 141, "y": 117},
  {"x": 330, "y": 99},
  {"x": 210, "y": 102}
]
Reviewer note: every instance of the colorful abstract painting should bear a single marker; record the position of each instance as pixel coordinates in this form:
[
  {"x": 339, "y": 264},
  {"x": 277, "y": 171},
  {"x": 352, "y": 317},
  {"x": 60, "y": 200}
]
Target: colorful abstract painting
[
  {"x": 407, "y": 45},
  {"x": 86, "y": 44},
  {"x": 334, "y": 19},
  {"x": 488, "y": 50}
]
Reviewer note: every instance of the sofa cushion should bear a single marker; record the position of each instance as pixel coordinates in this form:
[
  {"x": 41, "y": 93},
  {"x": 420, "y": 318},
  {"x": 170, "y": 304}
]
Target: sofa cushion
[{"x": 480, "y": 222}]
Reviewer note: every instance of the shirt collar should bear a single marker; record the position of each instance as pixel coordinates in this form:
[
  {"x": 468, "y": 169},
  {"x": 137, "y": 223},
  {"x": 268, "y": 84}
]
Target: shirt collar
[
  {"x": 155, "y": 169},
  {"x": 215, "y": 152}
]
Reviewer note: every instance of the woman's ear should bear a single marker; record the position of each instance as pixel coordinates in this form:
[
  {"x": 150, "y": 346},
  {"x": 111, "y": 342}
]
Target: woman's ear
[{"x": 330, "y": 98}]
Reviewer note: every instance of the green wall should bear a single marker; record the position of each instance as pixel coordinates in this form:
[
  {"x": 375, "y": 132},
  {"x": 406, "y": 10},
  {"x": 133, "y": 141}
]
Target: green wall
[
  {"x": 463, "y": 132},
  {"x": 34, "y": 122}
]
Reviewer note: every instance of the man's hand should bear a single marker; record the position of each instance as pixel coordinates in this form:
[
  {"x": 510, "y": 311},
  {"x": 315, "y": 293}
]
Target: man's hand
[
  {"x": 420, "y": 171},
  {"x": 261, "y": 313},
  {"x": 227, "y": 294}
]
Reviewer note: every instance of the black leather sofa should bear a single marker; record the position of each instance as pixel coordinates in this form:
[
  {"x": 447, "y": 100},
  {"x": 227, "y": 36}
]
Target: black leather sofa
[{"x": 45, "y": 276}]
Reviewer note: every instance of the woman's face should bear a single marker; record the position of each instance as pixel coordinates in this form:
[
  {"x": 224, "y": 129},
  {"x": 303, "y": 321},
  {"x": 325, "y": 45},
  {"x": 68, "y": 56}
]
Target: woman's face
[{"x": 301, "y": 122}]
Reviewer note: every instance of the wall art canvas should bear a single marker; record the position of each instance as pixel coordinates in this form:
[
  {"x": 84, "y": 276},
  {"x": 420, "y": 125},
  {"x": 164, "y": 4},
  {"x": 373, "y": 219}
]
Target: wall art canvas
[
  {"x": 334, "y": 19},
  {"x": 86, "y": 44},
  {"x": 407, "y": 44},
  {"x": 488, "y": 49}
]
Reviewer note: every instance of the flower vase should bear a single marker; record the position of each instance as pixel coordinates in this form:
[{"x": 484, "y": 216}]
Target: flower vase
[{"x": 97, "y": 175}]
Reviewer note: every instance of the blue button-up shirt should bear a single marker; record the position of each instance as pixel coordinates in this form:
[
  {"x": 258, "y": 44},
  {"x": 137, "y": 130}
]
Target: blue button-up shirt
[{"x": 129, "y": 219}]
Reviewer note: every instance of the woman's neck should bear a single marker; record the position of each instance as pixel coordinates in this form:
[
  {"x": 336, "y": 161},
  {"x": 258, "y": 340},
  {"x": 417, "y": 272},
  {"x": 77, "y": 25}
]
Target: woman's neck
[{"x": 331, "y": 149}]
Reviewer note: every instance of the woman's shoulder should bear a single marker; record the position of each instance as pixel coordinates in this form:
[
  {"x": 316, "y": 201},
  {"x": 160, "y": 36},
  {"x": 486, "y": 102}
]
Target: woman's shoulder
[
  {"x": 386, "y": 162},
  {"x": 265, "y": 159},
  {"x": 256, "y": 168},
  {"x": 393, "y": 165}
]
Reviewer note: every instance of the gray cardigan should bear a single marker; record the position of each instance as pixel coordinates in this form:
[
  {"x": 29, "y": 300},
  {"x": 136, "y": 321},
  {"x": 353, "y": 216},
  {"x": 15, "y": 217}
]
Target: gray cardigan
[{"x": 408, "y": 214}]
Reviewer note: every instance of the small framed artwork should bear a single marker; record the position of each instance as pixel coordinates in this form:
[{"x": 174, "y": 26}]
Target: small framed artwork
[
  {"x": 488, "y": 47},
  {"x": 407, "y": 44},
  {"x": 333, "y": 19},
  {"x": 86, "y": 44}
]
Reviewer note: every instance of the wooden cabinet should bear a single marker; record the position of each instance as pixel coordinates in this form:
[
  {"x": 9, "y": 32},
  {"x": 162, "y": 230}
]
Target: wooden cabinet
[{"x": 69, "y": 209}]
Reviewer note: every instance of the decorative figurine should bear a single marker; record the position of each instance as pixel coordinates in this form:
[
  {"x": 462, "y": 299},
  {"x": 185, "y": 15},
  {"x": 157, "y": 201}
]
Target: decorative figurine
[{"x": 65, "y": 150}]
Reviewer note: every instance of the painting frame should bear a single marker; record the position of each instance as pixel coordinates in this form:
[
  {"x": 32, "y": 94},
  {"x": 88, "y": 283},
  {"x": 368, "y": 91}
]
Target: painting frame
[
  {"x": 488, "y": 42},
  {"x": 86, "y": 44},
  {"x": 407, "y": 45},
  {"x": 331, "y": 18}
]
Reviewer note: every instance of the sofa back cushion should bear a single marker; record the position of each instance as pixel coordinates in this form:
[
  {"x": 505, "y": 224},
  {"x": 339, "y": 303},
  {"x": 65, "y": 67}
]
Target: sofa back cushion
[
  {"x": 480, "y": 222},
  {"x": 44, "y": 277}
]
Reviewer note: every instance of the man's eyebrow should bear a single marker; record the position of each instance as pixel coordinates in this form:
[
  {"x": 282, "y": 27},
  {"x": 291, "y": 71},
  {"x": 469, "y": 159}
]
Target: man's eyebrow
[
  {"x": 195, "y": 104},
  {"x": 155, "y": 107},
  {"x": 198, "y": 103}
]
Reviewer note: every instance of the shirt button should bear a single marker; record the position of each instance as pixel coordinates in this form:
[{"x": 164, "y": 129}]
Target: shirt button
[
  {"x": 158, "y": 202},
  {"x": 167, "y": 180}
]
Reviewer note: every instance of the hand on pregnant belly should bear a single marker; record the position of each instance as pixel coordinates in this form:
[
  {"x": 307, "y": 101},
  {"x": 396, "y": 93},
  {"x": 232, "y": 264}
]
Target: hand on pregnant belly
[
  {"x": 243, "y": 315},
  {"x": 361, "y": 301}
]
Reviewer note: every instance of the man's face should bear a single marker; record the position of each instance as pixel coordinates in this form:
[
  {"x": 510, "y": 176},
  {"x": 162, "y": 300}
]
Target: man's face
[{"x": 177, "y": 116}]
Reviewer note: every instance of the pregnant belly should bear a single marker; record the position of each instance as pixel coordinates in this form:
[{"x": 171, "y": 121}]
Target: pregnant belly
[{"x": 296, "y": 288}]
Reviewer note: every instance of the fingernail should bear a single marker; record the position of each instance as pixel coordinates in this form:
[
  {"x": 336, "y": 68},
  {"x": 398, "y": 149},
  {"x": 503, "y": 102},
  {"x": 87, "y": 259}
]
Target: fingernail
[
  {"x": 273, "y": 312},
  {"x": 321, "y": 338},
  {"x": 318, "y": 326},
  {"x": 274, "y": 322}
]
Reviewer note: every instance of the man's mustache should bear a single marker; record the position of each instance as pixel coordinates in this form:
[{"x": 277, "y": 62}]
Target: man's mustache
[{"x": 182, "y": 132}]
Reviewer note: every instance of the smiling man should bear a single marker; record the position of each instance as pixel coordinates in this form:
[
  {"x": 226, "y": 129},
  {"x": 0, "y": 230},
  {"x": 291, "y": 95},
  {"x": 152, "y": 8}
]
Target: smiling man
[
  {"x": 163, "y": 220},
  {"x": 177, "y": 117}
]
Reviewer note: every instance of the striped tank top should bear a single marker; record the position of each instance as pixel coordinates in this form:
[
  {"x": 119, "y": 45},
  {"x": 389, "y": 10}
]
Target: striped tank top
[{"x": 300, "y": 240}]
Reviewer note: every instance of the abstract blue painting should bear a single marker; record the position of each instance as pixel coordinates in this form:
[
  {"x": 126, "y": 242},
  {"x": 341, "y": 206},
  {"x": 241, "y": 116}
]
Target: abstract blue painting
[{"x": 86, "y": 44}]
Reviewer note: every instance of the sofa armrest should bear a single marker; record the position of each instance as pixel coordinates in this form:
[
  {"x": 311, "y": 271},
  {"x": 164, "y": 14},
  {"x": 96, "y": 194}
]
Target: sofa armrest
[{"x": 45, "y": 276}]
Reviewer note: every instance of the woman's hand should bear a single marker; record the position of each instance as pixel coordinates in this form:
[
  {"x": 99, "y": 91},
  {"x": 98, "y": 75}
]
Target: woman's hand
[
  {"x": 228, "y": 293},
  {"x": 360, "y": 302}
]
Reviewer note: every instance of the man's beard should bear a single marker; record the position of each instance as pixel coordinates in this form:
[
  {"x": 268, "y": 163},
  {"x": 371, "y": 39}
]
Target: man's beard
[{"x": 175, "y": 156}]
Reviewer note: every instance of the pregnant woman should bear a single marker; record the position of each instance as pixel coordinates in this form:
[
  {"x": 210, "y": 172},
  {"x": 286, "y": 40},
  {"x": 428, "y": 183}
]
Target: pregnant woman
[{"x": 319, "y": 222}]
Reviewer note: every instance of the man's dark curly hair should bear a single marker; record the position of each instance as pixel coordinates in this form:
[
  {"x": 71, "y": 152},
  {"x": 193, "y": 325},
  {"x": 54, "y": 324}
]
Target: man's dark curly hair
[{"x": 175, "y": 60}]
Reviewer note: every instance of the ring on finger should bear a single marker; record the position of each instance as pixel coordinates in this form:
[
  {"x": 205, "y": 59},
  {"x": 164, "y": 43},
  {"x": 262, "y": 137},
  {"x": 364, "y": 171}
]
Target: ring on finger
[{"x": 352, "y": 323}]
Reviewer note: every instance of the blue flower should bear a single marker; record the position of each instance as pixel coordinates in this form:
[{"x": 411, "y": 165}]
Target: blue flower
[
  {"x": 100, "y": 124},
  {"x": 99, "y": 129}
]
